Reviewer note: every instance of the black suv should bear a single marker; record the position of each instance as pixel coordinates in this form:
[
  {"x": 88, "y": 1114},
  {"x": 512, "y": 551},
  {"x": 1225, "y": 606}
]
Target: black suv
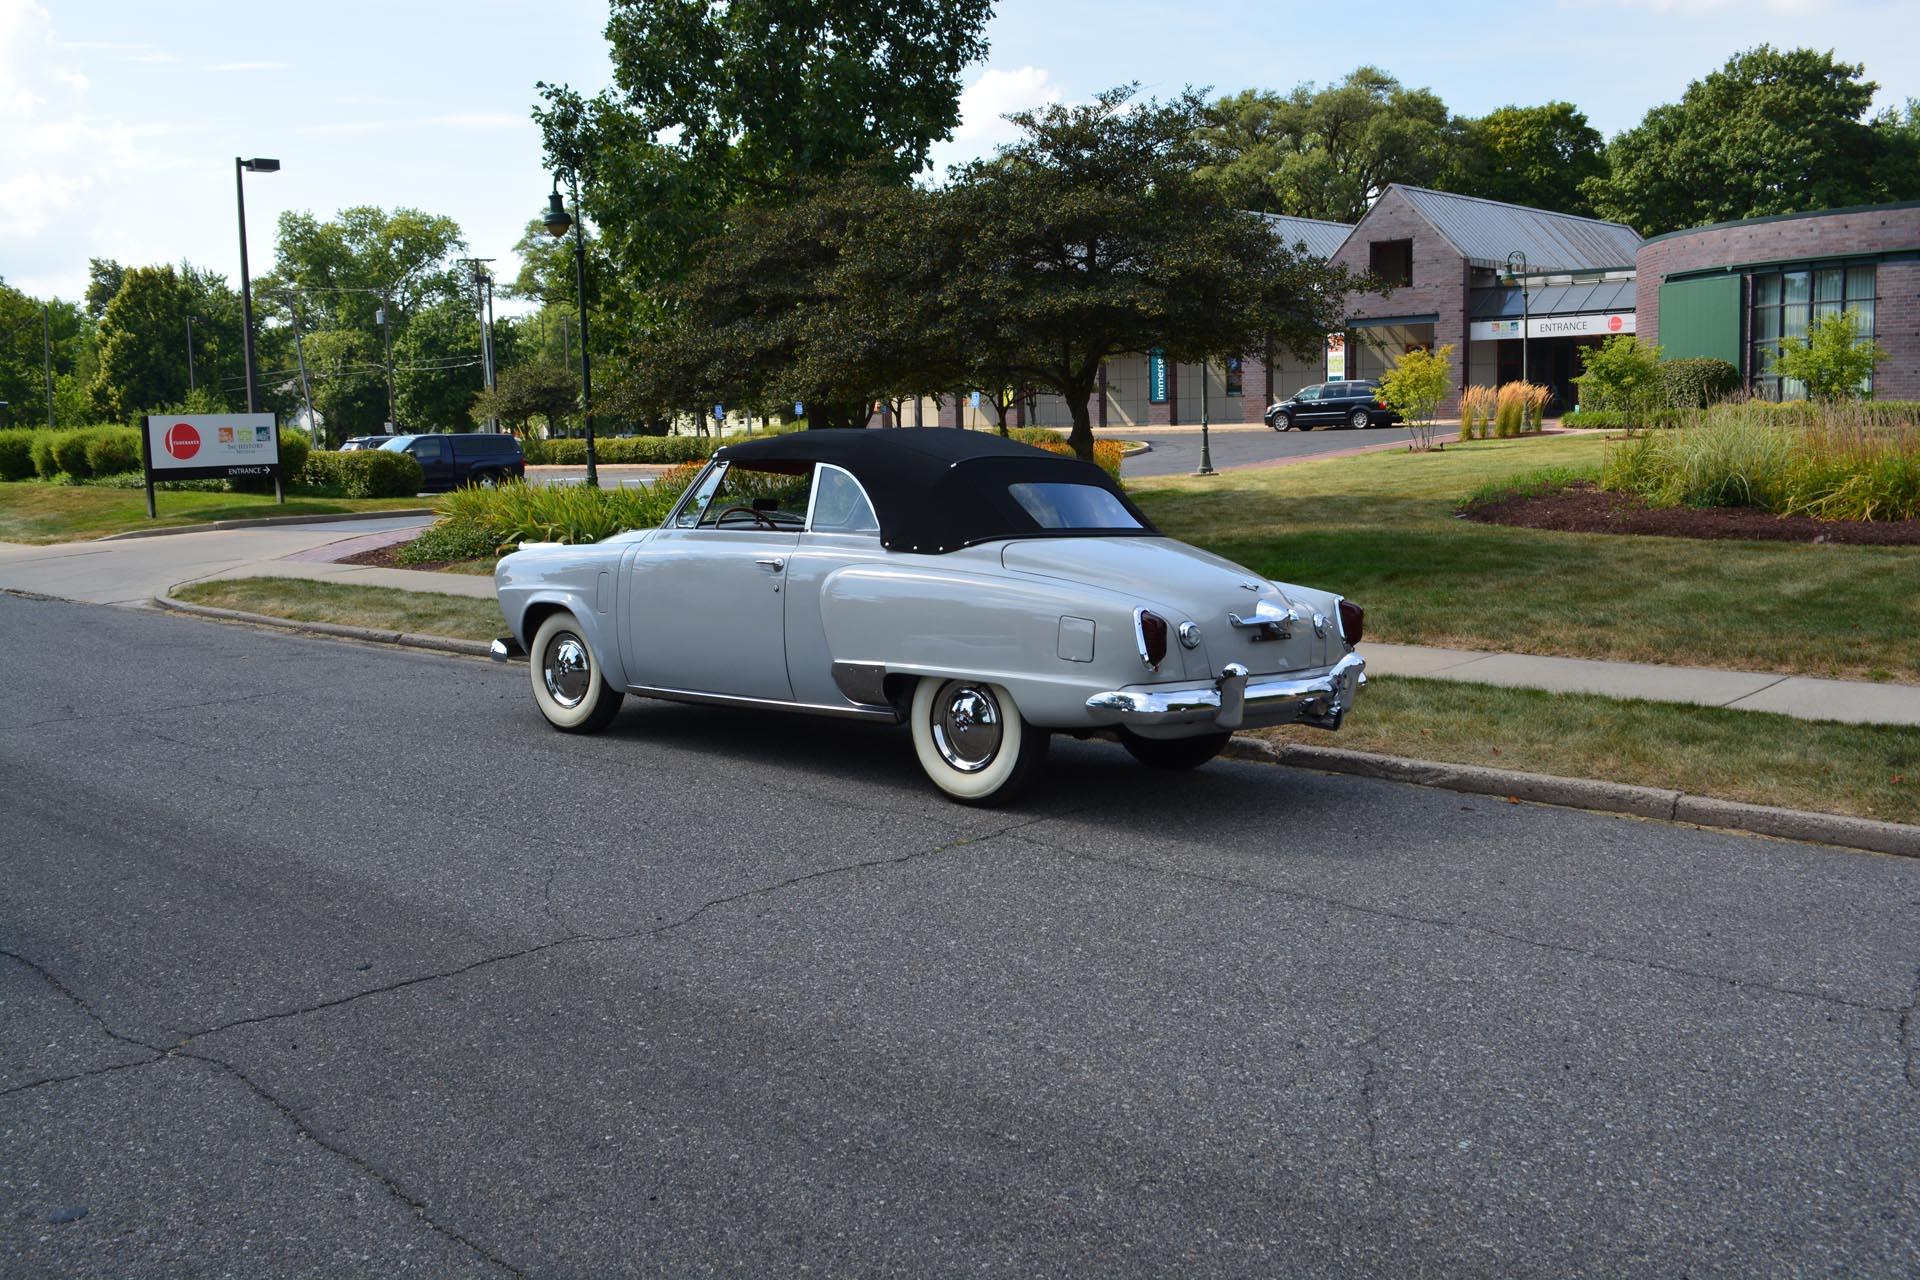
[
  {"x": 1332, "y": 404},
  {"x": 450, "y": 461}
]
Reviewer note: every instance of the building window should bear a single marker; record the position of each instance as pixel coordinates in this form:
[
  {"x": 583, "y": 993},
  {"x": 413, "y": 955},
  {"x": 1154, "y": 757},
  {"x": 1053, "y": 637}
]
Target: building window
[
  {"x": 1391, "y": 261},
  {"x": 1236, "y": 385},
  {"x": 1787, "y": 301}
]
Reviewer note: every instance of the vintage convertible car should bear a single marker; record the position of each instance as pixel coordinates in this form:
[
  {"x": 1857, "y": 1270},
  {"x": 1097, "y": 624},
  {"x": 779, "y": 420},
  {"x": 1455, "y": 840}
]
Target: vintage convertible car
[{"x": 985, "y": 592}]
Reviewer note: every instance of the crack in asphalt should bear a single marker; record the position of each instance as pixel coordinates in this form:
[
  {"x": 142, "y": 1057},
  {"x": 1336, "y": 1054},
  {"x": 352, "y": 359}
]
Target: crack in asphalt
[
  {"x": 1461, "y": 926},
  {"x": 393, "y": 1188}
]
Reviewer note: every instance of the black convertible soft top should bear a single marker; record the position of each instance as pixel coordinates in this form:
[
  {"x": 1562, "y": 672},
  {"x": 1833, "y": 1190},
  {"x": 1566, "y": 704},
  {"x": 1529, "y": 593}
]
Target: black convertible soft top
[{"x": 937, "y": 489}]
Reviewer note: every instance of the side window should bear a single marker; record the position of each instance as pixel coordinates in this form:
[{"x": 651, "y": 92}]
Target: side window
[
  {"x": 697, "y": 500},
  {"x": 840, "y": 505},
  {"x": 429, "y": 449},
  {"x": 751, "y": 498},
  {"x": 1308, "y": 393}
]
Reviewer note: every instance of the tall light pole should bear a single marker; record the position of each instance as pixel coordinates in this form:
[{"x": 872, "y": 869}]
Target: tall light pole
[
  {"x": 1206, "y": 445},
  {"x": 1517, "y": 270},
  {"x": 240, "y": 169},
  {"x": 46, "y": 348},
  {"x": 190, "y": 320},
  {"x": 556, "y": 221}
]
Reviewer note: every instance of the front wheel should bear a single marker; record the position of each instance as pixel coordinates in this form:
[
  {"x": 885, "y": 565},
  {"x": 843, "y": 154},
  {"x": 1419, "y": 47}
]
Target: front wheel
[
  {"x": 973, "y": 742},
  {"x": 1279, "y": 422},
  {"x": 568, "y": 686},
  {"x": 1173, "y": 753},
  {"x": 1359, "y": 420}
]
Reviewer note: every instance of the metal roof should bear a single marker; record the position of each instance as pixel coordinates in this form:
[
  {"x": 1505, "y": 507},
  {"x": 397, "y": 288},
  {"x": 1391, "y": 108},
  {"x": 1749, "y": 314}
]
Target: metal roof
[
  {"x": 1552, "y": 300},
  {"x": 1486, "y": 231},
  {"x": 1321, "y": 238}
]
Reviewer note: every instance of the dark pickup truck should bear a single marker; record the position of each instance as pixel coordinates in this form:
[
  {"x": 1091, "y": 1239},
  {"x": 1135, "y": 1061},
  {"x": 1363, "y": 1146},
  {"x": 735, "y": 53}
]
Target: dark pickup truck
[{"x": 451, "y": 461}]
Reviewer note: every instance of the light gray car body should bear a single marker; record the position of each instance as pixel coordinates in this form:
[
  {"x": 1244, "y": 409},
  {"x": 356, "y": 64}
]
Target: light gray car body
[{"x": 833, "y": 622}]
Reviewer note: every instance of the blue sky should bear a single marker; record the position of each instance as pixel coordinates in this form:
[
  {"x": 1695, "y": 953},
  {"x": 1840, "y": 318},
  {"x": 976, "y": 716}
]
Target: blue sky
[{"x": 119, "y": 119}]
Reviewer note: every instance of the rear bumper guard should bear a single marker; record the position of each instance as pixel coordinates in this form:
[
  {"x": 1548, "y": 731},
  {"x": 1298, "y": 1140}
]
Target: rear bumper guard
[
  {"x": 1237, "y": 701},
  {"x": 505, "y": 649}
]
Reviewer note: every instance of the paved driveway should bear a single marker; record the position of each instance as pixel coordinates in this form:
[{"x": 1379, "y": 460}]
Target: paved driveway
[
  {"x": 1178, "y": 453},
  {"x": 334, "y": 960}
]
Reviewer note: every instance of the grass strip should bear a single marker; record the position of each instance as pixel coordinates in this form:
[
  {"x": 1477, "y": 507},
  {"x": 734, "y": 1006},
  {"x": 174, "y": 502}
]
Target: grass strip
[
  {"x": 36, "y": 512},
  {"x": 383, "y": 608},
  {"x": 1866, "y": 771},
  {"x": 1382, "y": 529}
]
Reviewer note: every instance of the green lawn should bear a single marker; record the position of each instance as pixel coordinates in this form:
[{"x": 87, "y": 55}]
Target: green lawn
[
  {"x": 1869, "y": 771},
  {"x": 1381, "y": 529},
  {"x": 31, "y": 511},
  {"x": 384, "y": 608}
]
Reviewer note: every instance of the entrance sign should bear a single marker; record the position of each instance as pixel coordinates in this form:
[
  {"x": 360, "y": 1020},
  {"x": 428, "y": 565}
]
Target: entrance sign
[
  {"x": 210, "y": 446},
  {"x": 1554, "y": 326},
  {"x": 1156, "y": 376}
]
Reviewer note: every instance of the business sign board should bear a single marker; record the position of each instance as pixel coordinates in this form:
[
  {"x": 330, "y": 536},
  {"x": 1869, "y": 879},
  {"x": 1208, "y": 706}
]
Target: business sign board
[
  {"x": 1336, "y": 357},
  {"x": 1156, "y": 376},
  {"x": 209, "y": 446},
  {"x": 1601, "y": 323}
]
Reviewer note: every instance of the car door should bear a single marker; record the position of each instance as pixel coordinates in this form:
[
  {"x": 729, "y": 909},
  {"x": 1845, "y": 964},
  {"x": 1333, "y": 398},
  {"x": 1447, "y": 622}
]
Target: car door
[
  {"x": 704, "y": 602},
  {"x": 1306, "y": 406},
  {"x": 435, "y": 457}
]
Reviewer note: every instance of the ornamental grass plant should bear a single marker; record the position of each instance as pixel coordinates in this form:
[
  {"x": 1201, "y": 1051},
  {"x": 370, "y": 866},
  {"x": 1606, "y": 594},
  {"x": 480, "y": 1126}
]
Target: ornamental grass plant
[
  {"x": 1836, "y": 462},
  {"x": 1476, "y": 412}
]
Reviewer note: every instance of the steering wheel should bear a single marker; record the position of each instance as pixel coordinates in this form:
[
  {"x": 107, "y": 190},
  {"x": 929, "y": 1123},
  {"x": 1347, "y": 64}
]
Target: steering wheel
[{"x": 759, "y": 518}]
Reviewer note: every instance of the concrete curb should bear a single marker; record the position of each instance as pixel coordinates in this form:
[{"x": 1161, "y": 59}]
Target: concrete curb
[
  {"x": 1604, "y": 797},
  {"x": 338, "y": 631},
  {"x": 266, "y": 522}
]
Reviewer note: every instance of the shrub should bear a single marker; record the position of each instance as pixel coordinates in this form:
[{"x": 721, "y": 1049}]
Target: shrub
[
  {"x": 481, "y": 522},
  {"x": 364, "y": 473},
  {"x": 1414, "y": 388},
  {"x": 1697, "y": 382},
  {"x": 616, "y": 450},
  {"x": 16, "y": 454},
  {"x": 70, "y": 453},
  {"x": 45, "y": 465},
  {"x": 1832, "y": 361},
  {"x": 1106, "y": 453},
  {"x": 294, "y": 448},
  {"x": 111, "y": 450},
  {"x": 1620, "y": 373}
]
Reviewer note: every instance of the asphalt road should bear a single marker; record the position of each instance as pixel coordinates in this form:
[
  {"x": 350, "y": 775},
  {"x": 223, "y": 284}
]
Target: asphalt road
[
  {"x": 324, "y": 959},
  {"x": 1178, "y": 453}
]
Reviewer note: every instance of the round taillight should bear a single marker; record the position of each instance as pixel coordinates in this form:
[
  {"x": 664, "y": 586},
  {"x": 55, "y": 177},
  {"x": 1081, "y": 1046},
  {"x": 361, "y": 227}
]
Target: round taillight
[
  {"x": 1353, "y": 621},
  {"x": 1153, "y": 636}
]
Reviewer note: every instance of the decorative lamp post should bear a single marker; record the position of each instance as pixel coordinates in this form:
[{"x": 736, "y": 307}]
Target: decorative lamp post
[
  {"x": 1206, "y": 445},
  {"x": 240, "y": 169},
  {"x": 557, "y": 220},
  {"x": 1517, "y": 273}
]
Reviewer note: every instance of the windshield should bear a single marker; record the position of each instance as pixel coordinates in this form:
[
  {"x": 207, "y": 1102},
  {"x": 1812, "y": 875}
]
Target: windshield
[
  {"x": 1072, "y": 506},
  {"x": 398, "y": 444}
]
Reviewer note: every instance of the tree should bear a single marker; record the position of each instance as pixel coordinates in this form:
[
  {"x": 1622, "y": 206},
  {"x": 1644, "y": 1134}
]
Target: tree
[
  {"x": 1092, "y": 237},
  {"x": 347, "y": 381},
  {"x": 436, "y": 363},
  {"x": 1533, "y": 156},
  {"x": 1770, "y": 132},
  {"x": 104, "y": 277},
  {"x": 529, "y": 391},
  {"x": 1327, "y": 152},
  {"x": 346, "y": 263},
  {"x": 1621, "y": 374},
  {"x": 143, "y": 359},
  {"x": 1833, "y": 361},
  {"x": 1415, "y": 386}
]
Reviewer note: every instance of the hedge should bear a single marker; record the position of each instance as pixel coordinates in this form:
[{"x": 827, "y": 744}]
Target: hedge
[
  {"x": 1697, "y": 381},
  {"x": 16, "y": 453},
  {"x": 624, "y": 449},
  {"x": 294, "y": 448},
  {"x": 364, "y": 473}
]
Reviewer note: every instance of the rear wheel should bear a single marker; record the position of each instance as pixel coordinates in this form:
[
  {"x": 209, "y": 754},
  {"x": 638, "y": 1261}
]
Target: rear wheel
[
  {"x": 972, "y": 740},
  {"x": 568, "y": 686},
  {"x": 1174, "y": 753},
  {"x": 1359, "y": 420}
]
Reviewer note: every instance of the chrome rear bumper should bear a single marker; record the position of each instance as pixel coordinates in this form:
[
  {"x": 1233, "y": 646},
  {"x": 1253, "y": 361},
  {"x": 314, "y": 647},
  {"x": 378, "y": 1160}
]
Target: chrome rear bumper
[{"x": 1237, "y": 701}]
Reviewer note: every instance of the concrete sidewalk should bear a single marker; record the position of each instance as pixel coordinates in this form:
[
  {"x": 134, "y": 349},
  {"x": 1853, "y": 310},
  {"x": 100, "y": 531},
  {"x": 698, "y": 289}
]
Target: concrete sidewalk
[{"x": 135, "y": 572}]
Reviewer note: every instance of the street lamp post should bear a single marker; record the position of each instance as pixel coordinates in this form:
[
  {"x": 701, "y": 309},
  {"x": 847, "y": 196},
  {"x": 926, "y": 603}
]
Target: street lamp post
[
  {"x": 240, "y": 169},
  {"x": 557, "y": 220},
  {"x": 190, "y": 320},
  {"x": 1517, "y": 270},
  {"x": 1206, "y": 441}
]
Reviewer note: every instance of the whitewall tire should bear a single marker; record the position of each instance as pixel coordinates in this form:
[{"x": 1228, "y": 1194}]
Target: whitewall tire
[
  {"x": 972, "y": 741},
  {"x": 568, "y": 685}
]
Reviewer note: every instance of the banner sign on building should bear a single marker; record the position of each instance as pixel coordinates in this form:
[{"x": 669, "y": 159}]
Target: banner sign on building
[
  {"x": 210, "y": 446},
  {"x": 1156, "y": 376},
  {"x": 1336, "y": 357},
  {"x": 1601, "y": 323}
]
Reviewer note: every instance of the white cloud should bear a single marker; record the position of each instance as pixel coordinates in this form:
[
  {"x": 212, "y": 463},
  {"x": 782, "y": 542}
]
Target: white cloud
[
  {"x": 30, "y": 202},
  {"x": 247, "y": 66},
  {"x": 997, "y": 94}
]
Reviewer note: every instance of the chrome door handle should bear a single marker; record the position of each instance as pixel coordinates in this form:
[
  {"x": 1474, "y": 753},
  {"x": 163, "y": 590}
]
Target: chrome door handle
[{"x": 774, "y": 565}]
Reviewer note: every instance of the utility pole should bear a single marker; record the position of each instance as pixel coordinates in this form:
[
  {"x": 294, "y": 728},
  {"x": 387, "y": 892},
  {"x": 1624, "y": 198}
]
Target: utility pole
[
  {"x": 386, "y": 338},
  {"x": 306, "y": 392},
  {"x": 482, "y": 290},
  {"x": 190, "y": 320},
  {"x": 46, "y": 347}
]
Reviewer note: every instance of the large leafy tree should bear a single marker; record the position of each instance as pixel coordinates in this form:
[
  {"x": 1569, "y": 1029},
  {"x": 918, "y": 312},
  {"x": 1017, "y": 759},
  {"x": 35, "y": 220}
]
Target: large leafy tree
[
  {"x": 437, "y": 367},
  {"x": 346, "y": 262},
  {"x": 143, "y": 363},
  {"x": 1773, "y": 131},
  {"x": 1534, "y": 156},
  {"x": 1327, "y": 152},
  {"x": 529, "y": 391},
  {"x": 1092, "y": 237}
]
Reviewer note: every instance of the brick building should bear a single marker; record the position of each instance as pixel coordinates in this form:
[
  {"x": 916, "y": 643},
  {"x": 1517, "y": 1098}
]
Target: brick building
[{"x": 1734, "y": 289}]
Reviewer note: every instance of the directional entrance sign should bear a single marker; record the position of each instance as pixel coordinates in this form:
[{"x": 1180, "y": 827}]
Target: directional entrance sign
[{"x": 210, "y": 446}]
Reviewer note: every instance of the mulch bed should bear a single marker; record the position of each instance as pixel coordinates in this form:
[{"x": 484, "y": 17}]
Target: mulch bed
[
  {"x": 389, "y": 558},
  {"x": 1584, "y": 508}
]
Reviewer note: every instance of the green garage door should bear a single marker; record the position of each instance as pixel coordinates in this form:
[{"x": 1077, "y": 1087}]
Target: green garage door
[{"x": 1701, "y": 318}]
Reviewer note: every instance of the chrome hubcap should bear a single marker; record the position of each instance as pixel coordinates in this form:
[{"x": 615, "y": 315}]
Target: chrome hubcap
[
  {"x": 567, "y": 670},
  {"x": 966, "y": 726}
]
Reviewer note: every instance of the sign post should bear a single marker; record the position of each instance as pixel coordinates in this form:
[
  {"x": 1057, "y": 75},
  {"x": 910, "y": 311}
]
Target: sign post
[{"x": 210, "y": 446}]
